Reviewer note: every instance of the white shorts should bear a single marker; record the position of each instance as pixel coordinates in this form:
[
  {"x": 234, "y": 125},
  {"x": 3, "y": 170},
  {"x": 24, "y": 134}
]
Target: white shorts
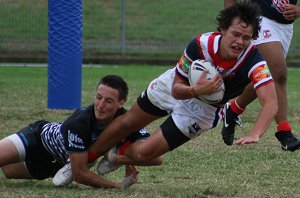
[
  {"x": 192, "y": 116},
  {"x": 274, "y": 31}
]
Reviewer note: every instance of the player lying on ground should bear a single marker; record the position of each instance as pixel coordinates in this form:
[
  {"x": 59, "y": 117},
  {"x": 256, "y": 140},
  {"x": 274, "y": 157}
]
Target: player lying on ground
[{"x": 39, "y": 150}]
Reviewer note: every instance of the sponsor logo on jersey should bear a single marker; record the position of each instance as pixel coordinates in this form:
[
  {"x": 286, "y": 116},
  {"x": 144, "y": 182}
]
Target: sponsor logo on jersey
[
  {"x": 194, "y": 128},
  {"x": 75, "y": 141},
  {"x": 279, "y": 5},
  {"x": 153, "y": 85},
  {"x": 260, "y": 73},
  {"x": 267, "y": 33},
  {"x": 184, "y": 63}
]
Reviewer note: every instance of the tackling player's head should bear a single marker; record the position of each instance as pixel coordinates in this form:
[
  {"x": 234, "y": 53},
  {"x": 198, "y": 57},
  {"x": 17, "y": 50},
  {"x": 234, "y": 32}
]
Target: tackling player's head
[
  {"x": 115, "y": 82},
  {"x": 249, "y": 12},
  {"x": 111, "y": 94}
]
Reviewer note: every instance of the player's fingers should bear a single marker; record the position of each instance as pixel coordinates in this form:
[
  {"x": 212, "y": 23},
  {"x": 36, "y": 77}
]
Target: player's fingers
[
  {"x": 243, "y": 140},
  {"x": 218, "y": 81},
  {"x": 246, "y": 141},
  {"x": 239, "y": 141},
  {"x": 203, "y": 74}
]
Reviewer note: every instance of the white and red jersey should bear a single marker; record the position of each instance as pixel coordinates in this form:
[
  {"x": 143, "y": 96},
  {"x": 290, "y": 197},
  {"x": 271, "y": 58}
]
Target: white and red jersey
[{"x": 248, "y": 67}]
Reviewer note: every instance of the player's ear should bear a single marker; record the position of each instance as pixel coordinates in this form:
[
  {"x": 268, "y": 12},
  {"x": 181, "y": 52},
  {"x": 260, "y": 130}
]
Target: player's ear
[{"x": 121, "y": 103}]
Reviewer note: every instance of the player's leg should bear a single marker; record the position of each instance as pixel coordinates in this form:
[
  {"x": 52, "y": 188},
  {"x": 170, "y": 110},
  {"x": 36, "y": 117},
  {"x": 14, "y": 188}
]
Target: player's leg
[
  {"x": 151, "y": 149},
  {"x": 165, "y": 138},
  {"x": 122, "y": 155},
  {"x": 16, "y": 171},
  {"x": 138, "y": 153},
  {"x": 119, "y": 155},
  {"x": 272, "y": 52},
  {"x": 122, "y": 126},
  {"x": 11, "y": 158},
  {"x": 131, "y": 149}
]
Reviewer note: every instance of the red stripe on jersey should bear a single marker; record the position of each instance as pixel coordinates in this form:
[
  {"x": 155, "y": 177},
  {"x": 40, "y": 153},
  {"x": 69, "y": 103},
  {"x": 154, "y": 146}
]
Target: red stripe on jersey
[
  {"x": 199, "y": 45},
  {"x": 263, "y": 84}
]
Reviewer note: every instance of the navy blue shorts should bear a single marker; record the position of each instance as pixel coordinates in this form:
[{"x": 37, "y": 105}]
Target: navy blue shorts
[
  {"x": 145, "y": 104},
  {"x": 38, "y": 160},
  {"x": 171, "y": 133}
]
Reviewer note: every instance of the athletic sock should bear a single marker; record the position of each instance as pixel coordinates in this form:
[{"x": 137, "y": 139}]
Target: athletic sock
[
  {"x": 236, "y": 108},
  {"x": 284, "y": 127}
]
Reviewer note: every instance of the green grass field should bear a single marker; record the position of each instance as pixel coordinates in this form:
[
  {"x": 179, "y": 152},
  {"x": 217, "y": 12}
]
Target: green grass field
[{"x": 203, "y": 167}]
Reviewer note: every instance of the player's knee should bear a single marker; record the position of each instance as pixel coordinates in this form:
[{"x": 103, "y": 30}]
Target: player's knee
[
  {"x": 159, "y": 160},
  {"x": 142, "y": 157},
  {"x": 280, "y": 79},
  {"x": 7, "y": 173},
  {"x": 280, "y": 76}
]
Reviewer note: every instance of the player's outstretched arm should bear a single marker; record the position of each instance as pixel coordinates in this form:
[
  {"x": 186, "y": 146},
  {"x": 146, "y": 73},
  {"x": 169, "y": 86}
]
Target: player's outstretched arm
[
  {"x": 84, "y": 176},
  {"x": 267, "y": 98}
]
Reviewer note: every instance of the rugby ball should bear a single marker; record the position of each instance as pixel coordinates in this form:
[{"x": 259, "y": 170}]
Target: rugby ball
[{"x": 195, "y": 71}]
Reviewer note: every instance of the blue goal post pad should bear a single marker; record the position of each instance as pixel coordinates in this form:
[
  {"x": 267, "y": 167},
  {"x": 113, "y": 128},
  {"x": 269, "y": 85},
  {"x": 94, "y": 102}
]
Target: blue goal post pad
[{"x": 64, "y": 54}]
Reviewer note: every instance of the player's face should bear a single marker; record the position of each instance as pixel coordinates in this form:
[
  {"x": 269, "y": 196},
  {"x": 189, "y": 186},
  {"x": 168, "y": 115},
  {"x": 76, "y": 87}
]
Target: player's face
[
  {"x": 235, "y": 39},
  {"x": 106, "y": 103}
]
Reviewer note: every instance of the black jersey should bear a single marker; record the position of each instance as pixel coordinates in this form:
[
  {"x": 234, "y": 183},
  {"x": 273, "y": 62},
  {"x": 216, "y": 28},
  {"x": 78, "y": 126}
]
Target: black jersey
[
  {"x": 77, "y": 133},
  {"x": 273, "y": 9}
]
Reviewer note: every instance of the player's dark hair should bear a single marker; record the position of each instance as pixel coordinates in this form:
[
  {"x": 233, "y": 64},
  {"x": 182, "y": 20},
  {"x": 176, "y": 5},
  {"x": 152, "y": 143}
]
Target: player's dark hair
[
  {"x": 115, "y": 82},
  {"x": 249, "y": 12}
]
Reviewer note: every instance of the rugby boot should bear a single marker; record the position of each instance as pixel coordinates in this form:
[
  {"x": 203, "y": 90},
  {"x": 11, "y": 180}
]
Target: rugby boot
[
  {"x": 288, "y": 141},
  {"x": 229, "y": 122}
]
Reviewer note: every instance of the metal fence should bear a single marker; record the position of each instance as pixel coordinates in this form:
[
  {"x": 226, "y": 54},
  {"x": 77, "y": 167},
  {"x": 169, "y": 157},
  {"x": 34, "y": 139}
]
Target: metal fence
[{"x": 128, "y": 29}]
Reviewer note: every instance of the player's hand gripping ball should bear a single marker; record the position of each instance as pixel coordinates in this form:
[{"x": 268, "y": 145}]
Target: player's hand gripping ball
[{"x": 195, "y": 71}]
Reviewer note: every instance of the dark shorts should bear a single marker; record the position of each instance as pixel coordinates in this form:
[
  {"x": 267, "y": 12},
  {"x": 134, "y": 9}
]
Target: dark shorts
[
  {"x": 145, "y": 104},
  {"x": 172, "y": 134},
  {"x": 38, "y": 160},
  {"x": 136, "y": 136}
]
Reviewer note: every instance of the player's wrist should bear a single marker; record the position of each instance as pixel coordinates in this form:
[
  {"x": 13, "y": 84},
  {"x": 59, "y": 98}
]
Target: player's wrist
[{"x": 193, "y": 91}]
